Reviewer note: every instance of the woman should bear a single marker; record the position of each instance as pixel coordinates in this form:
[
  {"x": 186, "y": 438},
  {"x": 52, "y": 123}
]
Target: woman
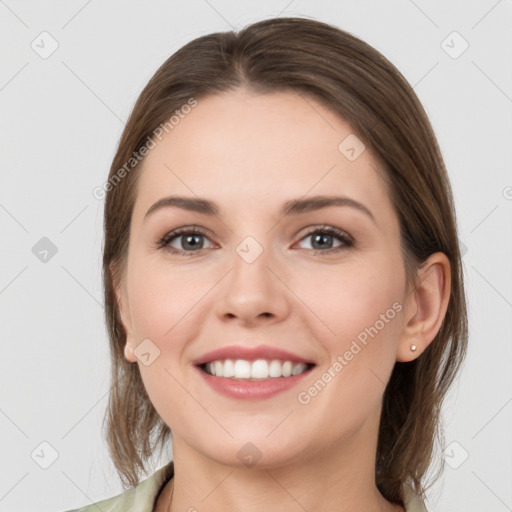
[{"x": 283, "y": 286}]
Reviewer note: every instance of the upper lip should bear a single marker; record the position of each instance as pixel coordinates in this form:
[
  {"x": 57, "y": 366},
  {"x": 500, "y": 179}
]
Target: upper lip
[{"x": 249, "y": 354}]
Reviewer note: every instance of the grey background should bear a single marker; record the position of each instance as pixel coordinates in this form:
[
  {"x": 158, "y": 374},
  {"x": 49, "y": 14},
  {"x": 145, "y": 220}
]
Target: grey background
[{"x": 61, "y": 120}]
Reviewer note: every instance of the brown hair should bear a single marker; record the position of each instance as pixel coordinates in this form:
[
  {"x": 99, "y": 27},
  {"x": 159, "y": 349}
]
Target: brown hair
[{"x": 353, "y": 79}]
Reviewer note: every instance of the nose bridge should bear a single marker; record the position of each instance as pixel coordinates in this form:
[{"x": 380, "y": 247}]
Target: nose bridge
[{"x": 251, "y": 290}]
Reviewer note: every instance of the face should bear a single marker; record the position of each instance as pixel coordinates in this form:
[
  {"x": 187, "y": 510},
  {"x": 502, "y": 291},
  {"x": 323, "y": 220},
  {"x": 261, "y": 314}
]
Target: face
[{"x": 324, "y": 282}]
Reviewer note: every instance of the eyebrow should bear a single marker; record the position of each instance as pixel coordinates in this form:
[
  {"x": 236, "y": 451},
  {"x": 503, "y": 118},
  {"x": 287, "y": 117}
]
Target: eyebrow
[{"x": 291, "y": 207}]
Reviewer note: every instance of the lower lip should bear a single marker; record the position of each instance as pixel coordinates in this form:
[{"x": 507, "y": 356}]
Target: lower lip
[{"x": 251, "y": 389}]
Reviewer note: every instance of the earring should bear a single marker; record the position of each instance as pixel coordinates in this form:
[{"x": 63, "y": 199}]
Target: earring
[{"x": 413, "y": 348}]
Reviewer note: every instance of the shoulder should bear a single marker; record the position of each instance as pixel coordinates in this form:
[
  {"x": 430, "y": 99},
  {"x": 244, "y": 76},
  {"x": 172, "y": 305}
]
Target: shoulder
[
  {"x": 413, "y": 503},
  {"x": 140, "y": 498}
]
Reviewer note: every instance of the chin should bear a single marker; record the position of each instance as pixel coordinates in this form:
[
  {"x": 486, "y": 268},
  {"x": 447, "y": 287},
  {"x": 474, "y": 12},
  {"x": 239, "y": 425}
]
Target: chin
[{"x": 255, "y": 450}]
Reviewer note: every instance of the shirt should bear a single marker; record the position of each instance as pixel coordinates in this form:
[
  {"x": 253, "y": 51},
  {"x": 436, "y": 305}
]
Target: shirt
[{"x": 142, "y": 497}]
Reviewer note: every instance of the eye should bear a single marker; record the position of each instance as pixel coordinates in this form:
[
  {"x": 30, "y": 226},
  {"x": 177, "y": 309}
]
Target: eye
[
  {"x": 191, "y": 240},
  {"x": 323, "y": 239},
  {"x": 184, "y": 241}
]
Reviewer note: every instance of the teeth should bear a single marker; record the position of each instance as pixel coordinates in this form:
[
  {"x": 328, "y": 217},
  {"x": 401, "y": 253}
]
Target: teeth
[
  {"x": 229, "y": 368},
  {"x": 274, "y": 369},
  {"x": 242, "y": 369},
  {"x": 287, "y": 368},
  {"x": 259, "y": 369},
  {"x": 298, "y": 368}
]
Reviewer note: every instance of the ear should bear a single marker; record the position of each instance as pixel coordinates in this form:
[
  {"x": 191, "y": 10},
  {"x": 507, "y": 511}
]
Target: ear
[
  {"x": 425, "y": 307},
  {"x": 124, "y": 312}
]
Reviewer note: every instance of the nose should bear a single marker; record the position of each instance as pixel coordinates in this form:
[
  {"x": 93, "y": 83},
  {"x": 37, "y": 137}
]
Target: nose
[{"x": 253, "y": 293}]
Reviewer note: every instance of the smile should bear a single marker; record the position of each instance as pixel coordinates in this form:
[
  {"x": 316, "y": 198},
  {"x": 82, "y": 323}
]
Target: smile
[
  {"x": 260, "y": 369},
  {"x": 252, "y": 373}
]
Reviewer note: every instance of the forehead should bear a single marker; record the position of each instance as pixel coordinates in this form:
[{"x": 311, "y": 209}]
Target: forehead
[{"x": 246, "y": 148}]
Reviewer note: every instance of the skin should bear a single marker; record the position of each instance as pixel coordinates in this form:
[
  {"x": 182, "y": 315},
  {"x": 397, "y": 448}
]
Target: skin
[{"x": 249, "y": 154}]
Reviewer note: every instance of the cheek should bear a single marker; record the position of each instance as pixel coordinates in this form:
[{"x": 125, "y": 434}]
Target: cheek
[
  {"x": 162, "y": 298},
  {"x": 162, "y": 309},
  {"x": 363, "y": 309},
  {"x": 362, "y": 306},
  {"x": 352, "y": 300}
]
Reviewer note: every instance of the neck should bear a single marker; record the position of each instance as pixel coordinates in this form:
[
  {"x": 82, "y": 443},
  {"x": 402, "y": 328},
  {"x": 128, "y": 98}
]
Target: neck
[{"x": 340, "y": 477}]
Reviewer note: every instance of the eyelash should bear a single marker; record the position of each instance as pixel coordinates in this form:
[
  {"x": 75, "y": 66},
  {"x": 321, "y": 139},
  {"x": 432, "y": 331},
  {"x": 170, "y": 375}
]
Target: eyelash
[{"x": 347, "y": 240}]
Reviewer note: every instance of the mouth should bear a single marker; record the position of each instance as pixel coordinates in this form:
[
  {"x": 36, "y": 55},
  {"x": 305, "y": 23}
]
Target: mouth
[
  {"x": 252, "y": 373},
  {"x": 257, "y": 370}
]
